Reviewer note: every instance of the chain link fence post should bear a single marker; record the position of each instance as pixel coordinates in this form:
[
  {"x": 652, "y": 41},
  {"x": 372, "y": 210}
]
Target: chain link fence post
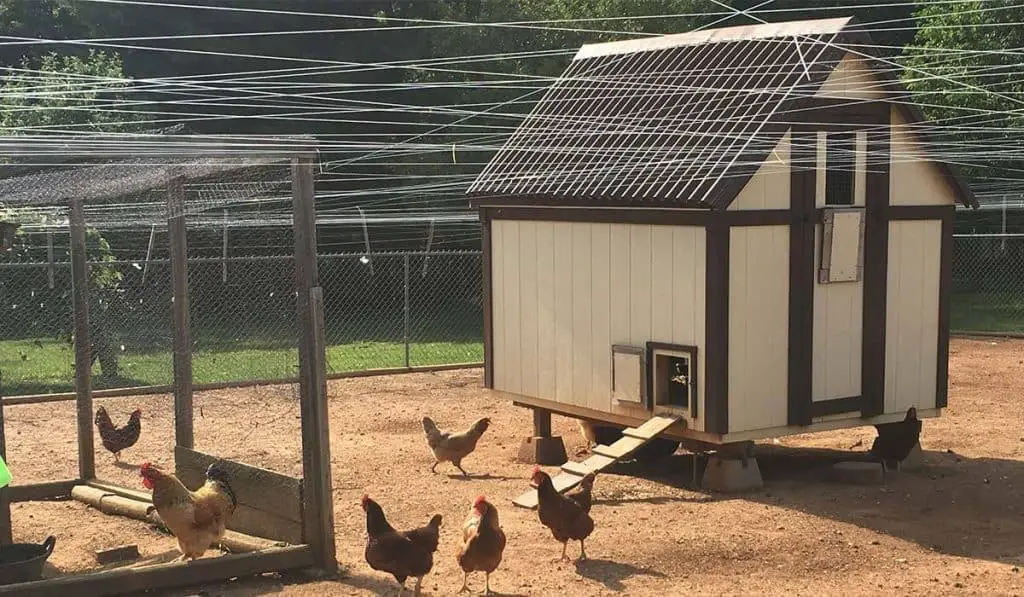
[{"x": 405, "y": 306}]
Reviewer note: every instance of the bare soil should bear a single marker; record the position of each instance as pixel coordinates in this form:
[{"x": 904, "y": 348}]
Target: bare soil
[{"x": 953, "y": 526}]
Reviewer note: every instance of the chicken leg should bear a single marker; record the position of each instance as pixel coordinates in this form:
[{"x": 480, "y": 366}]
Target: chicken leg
[
  {"x": 583, "y": 551},
  {"x": 487, "y": 583},
  {"x": 564, "y": 557},
  {"x": 419, "y": 583},
  {"x": 465, "y": 582},
  {"x": 433, "y": 469}
]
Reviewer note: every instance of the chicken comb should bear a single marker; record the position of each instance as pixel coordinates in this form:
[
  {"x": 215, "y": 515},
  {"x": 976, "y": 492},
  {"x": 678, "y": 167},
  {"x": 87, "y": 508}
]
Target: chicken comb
[
  {"x": 536, "y": 469},
  {"x": 479, "y": 500}
]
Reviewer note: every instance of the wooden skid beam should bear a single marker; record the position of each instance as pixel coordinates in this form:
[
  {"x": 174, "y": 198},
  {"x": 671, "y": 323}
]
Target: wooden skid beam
[
  {"x": 601, "y": 458},
  {"x": 166, "y": 576},
  {"x": 33, "y": 492}
]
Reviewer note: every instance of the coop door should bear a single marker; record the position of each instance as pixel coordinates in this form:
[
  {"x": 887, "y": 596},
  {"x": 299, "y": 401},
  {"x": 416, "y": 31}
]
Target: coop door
[{"x": 842, "y": 245}]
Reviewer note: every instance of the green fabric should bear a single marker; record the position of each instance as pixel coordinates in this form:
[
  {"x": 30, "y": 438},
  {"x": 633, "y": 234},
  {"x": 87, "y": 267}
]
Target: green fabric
[{"x": 5, "y": 475}]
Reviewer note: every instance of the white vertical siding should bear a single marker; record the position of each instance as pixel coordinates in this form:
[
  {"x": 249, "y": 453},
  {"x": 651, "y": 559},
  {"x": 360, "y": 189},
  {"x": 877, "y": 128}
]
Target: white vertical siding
[
  {"x": 912, "y": 315},
  {"x": 769, "y": 187},
  {"x": 530, "y": 384},
  {"x": 912, "y": 179},
  {"x": 564, "y": 292},
  {"x": 545, "y": 353},
  {"x": 758, "y": 327},
  {"x": 600, "y": 317},
  {"x": 838, "y": 307}
]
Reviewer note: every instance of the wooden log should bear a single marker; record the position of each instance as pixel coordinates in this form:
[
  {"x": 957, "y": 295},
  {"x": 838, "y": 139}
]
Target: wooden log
[
  {"x": 318, "y": 506},
  {"x": 183, "y": 426},
  {"x": 123, "y": 553},
  {"x": 51, "y": 490},
  {"x": 89, "y": 496},
  {"x": 83, "y": 343},
  {"x": 122, "y": 506},
  {"x": 123, "y": 581}
]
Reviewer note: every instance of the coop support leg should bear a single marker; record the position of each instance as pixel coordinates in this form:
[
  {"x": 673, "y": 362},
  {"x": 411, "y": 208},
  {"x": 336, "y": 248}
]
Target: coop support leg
[{"x": 542, "y": 447}]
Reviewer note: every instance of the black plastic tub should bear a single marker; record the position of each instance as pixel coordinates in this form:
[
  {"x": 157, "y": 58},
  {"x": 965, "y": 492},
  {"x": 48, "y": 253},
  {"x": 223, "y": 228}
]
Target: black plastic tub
[{"x": 23, "y": 562}]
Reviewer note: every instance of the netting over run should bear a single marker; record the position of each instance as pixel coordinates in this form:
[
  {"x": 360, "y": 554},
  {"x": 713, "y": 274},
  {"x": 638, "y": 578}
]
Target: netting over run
[{"x": 122, "y": 179}]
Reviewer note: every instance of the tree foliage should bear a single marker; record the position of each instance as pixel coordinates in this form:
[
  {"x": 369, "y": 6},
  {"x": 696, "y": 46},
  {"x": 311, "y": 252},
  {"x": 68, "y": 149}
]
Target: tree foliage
[{"x": 963, "y": 69}]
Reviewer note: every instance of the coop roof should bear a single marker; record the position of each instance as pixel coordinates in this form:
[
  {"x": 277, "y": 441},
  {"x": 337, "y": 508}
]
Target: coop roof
[
  {"x": 101, "y": 168},
  {"x": 668, "y": 120}
]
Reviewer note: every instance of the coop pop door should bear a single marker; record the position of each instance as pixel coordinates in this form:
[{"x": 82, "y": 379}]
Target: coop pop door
[{"x": 838, "y": 276}]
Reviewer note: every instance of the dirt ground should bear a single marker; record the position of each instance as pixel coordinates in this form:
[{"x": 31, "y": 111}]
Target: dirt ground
[{"x": 953, "y": 526}]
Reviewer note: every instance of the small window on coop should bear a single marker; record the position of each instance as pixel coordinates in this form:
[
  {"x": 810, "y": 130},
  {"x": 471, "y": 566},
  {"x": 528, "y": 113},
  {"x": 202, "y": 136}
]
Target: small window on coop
[
  {"x": 628, "y": 374},
  {"x": 840, "y": 164},
  {"x": 842, "y": 245},
  {"x": 673, "y": 377}
]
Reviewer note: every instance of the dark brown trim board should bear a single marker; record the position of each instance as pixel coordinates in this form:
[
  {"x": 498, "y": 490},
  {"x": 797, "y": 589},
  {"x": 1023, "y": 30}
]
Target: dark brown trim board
[
  {"x": 488, "y": 298},
  {"x": 945, "y": 296},
  {"x": 876, "y": 264},
  {"x": 498, "y": 200},
  {"x": 759, "y": 217},
  {"x": 638, "y": 215},
  {"x": 716, "y": 326},
  {"x": 835, "y": 406},
  {"x": 919, "y": 212},
  {"x": 801, "y": 272},
  {"x": 603, "y": 215}
]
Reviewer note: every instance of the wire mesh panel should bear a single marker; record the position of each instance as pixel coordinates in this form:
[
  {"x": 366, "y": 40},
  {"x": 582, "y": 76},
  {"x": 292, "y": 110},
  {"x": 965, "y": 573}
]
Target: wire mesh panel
[
  {"x": 445, "y": 309},
  {"x": 383, "y": 311},
  {"x": 988, "y": 284}
]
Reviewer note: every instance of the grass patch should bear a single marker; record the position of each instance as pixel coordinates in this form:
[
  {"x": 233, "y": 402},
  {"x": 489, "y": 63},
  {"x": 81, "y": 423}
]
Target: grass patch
[
  {"x": 37, "y": 366},
  {"x": 987, "y": 312}
]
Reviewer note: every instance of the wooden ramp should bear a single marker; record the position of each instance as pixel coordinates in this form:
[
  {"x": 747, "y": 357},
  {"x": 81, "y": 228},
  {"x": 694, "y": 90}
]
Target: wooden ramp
[{"x": 601, "y": 458}]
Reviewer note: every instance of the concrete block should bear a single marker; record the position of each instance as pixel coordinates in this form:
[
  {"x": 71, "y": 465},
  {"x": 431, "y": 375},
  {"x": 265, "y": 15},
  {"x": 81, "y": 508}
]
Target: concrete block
[
  {"x": 546, "y": 451},
  {"x": 729, "y": 475},
  {"x": 856, "y": 473}
]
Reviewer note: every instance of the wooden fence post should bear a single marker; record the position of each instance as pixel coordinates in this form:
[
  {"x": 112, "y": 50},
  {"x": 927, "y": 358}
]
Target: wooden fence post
[
  {"x": 83, "y": 341},
  {"x": 318, "y": 502},
  {"x": 6, "y": 533},
  {"x": 183, "y": 428}
]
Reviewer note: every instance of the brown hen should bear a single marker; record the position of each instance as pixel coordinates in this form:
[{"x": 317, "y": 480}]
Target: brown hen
[
  {"x": 114, "y": 438},
  {"x": 565, "y": 517},
  {"x": 402, "y": 554},
  {"x": 483, "y": 542}
]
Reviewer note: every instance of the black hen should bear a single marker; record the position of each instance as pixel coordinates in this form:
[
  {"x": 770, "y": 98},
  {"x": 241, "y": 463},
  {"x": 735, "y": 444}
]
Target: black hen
[{"x": 896, "y": 440}]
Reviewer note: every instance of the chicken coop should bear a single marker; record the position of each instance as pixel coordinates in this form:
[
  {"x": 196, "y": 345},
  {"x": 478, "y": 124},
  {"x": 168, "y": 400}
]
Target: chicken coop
[
  {"x": 281, "y": 522},
  {"x": 738, "y": 230}
]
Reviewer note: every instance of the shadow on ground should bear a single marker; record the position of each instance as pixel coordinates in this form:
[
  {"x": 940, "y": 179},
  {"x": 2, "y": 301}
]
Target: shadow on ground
[{"x": 951, "y": 504}]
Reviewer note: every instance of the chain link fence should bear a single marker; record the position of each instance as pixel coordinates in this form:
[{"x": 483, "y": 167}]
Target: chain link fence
[
  {"x": 988, "y": 283},
  {"x": 383, "y": 310}
]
